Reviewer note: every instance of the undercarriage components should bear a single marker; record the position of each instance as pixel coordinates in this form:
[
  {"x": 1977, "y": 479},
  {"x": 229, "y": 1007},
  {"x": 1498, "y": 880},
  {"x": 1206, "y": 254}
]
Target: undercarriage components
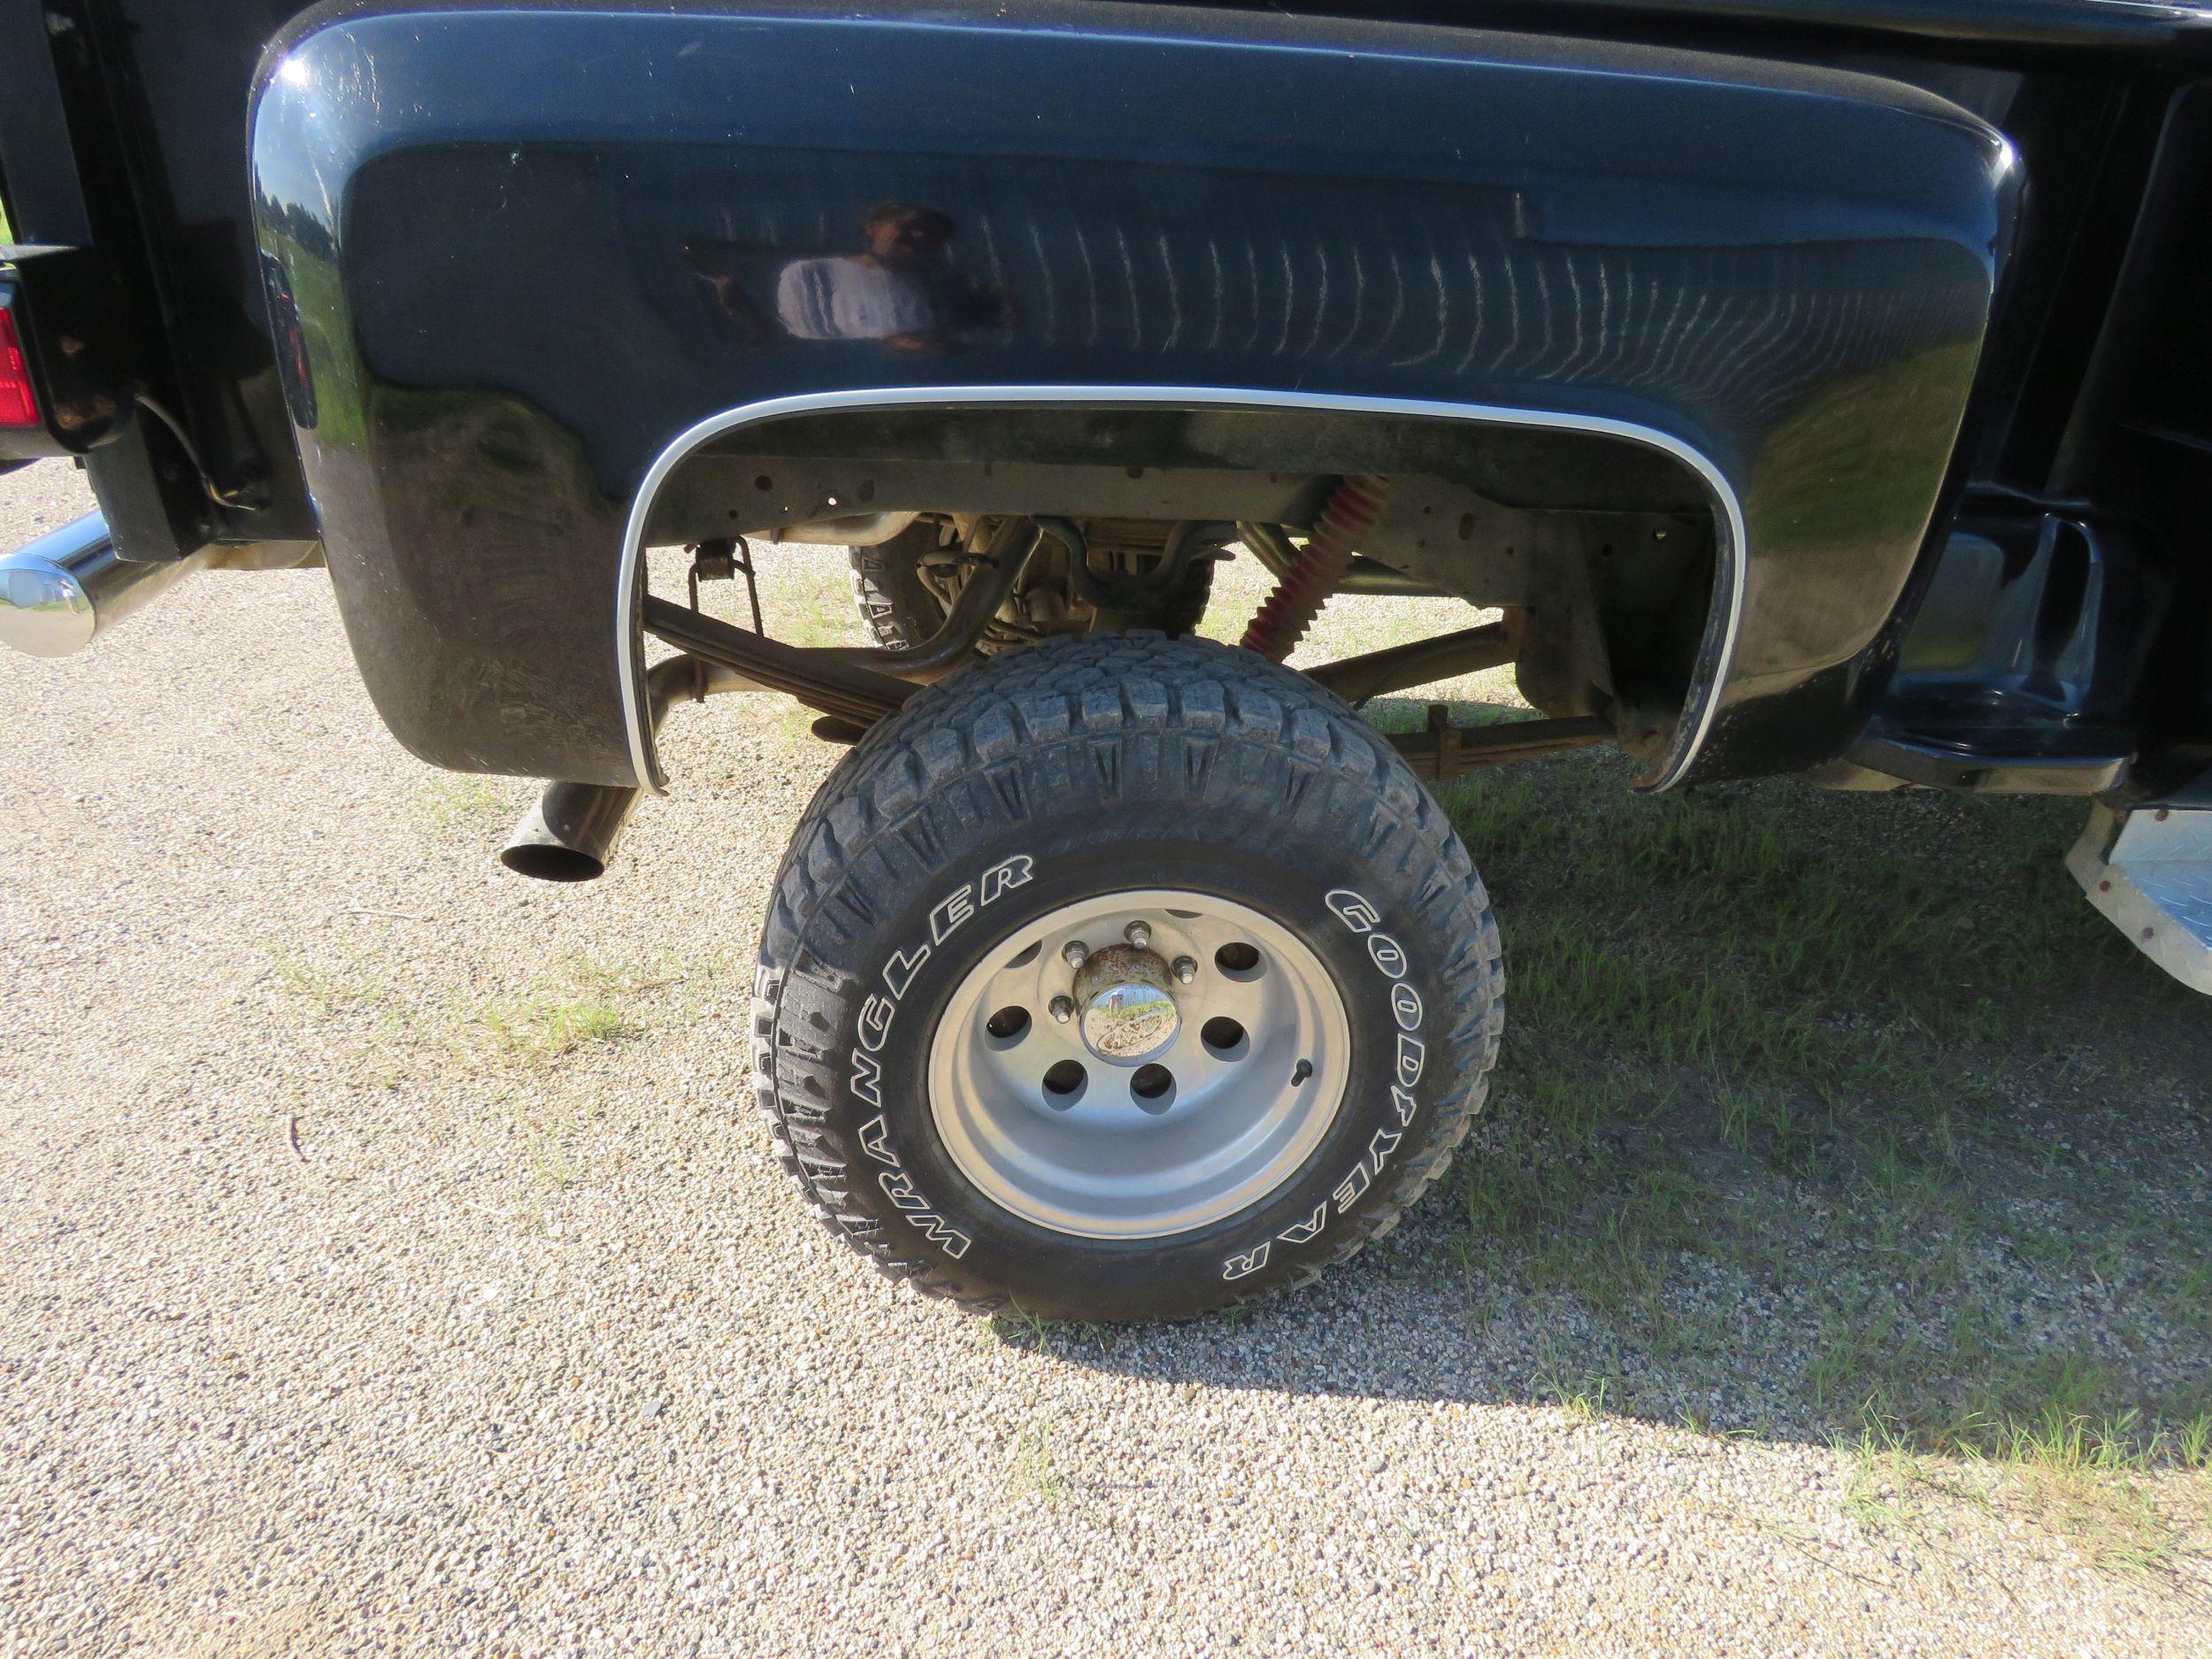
[
  {"x": 59, "y": 592},
  {"x": 821, "y": 679},
  {"x": 1268, "y": 543},
  {"x": 986, "y": 589},
  {"x": 1272, "y": 547},
  {"x": 1442, "y": 751},
  {"x": 1154, "y": 1019},
  {"x": 574, "y": 830},
  {"x": 1365, "y": 576},
  {"x": 1096, "y": 576},
  {"x": 1422, "y": 662},
  {"x": 868, "y": 529},
  {"x": 1298, "y": 598},
  {"x": 720, "y": 560},
  {"x": 1115, "y": 596}
]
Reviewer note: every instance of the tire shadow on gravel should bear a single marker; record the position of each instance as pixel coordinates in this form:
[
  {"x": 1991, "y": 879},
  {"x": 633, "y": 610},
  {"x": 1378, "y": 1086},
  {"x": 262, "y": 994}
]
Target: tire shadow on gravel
[{"x": 1821, "y": 1118}]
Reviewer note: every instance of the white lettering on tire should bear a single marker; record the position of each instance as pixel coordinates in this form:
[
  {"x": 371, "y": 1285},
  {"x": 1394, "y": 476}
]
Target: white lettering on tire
[
  {"x": 1405, "y": 1006},
  {"x": 1251, "y": 1262},
  {"x": 867, "y": 1079},
  {"x": 1409, "y": 1055},
  {"x": 878, "y": 1011},
  {"x": 898, "y": 1187},
  {"x": 1389, "y": 955},
  {"x": 1007, "y": 873},
  {"x": 898, "y": 973},
  {"x": 1355, "y": 912}
]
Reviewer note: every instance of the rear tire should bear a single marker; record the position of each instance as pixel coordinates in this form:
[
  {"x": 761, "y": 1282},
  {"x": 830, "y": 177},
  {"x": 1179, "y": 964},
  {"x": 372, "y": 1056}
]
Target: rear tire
[
  {"x": 1100, "y": 779},
  {"x": 1188, "y": 610},
  {"x": 896, "y": 606}
]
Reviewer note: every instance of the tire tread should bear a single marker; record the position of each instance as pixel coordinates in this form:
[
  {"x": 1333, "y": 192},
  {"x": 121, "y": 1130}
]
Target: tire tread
[{"x": 1110, "y": 689}]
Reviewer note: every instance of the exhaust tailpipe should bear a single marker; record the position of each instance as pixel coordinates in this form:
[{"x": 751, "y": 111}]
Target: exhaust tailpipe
[
  {"x": 572, "y": 831},
  {"x": 60, "y": 591}
]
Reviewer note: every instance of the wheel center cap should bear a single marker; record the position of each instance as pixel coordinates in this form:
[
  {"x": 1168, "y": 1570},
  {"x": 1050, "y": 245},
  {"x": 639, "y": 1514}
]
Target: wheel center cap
[{"x": 1125, "y": 1001}]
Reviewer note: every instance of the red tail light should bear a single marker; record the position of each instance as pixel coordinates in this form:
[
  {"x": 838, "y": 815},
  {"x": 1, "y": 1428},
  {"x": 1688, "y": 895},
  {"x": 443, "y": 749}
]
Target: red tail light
[{"x": 19, "y": 403}]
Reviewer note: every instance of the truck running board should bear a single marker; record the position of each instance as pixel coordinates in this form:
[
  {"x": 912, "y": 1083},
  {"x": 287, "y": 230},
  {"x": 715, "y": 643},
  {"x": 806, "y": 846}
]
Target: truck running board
[{"x": 2150, "y": 871}]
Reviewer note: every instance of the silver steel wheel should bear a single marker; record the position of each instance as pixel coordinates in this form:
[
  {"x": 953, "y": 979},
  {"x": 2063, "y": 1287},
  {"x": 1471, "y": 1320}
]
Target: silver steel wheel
[{"x": 1069, "y": 1094}]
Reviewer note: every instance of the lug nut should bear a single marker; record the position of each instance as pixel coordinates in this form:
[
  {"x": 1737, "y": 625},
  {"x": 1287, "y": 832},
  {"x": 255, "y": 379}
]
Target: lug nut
[
  {"x": 1075, "y": 953},
  {"x": 1185, "y": 970},
  {"x": 1138, "y": 934},
  {"x": 1063, "y": 1009}
]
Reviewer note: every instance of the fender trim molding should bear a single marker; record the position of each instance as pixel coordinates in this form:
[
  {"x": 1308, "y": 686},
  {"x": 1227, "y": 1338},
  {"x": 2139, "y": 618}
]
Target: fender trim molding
[{"x": 1715, "y": 657}]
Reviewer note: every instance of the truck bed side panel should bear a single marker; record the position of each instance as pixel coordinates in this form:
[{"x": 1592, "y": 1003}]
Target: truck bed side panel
[{"x": 517, "y": 287}]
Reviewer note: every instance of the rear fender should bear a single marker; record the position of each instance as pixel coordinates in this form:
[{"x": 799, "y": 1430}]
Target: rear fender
[{"x": 522, "y": 296}]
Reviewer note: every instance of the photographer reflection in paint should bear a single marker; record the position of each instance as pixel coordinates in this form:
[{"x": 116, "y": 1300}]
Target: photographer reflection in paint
[{"x": 901, "y": 291}]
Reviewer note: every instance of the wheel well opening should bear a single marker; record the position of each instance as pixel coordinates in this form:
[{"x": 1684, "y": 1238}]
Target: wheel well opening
[{"x": 1608, "y": 541}]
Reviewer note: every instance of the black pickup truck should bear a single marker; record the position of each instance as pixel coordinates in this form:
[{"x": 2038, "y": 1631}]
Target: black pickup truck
[{"x": 1818, "y": 388}]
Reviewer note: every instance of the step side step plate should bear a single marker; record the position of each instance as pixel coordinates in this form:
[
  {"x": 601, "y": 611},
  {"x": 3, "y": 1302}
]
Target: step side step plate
[{"x": 2150, "y": 871}]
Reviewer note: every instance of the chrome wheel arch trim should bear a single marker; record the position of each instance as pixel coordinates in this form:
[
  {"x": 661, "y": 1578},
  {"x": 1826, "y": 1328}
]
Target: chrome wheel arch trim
[{"x": 1730, "y": 543}]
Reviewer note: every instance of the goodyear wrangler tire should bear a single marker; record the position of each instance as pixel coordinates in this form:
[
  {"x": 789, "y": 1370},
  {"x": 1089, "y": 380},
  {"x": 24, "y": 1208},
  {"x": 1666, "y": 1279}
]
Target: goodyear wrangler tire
[{"x": 1286, "y": 1007}]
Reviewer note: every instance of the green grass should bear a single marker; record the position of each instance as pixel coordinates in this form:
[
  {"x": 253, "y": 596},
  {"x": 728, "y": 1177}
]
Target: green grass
[
  {"x": 452, "y": 801},
  {"x": 1769, "y": 1049},
  {"x": 1035, "y": 1465},
  {"x": 2092, "y": 1483},
  {"x": 576, "y": 1006},
  {"x": 797, "y": 611},
  {"x": 540, "y": 1028},
  {"x": 347, "y": 985},
  {"x": 332, "y": 982},
  {"x": 1584, "y": 1399},
  {"x": 1017, "y": 1327}
]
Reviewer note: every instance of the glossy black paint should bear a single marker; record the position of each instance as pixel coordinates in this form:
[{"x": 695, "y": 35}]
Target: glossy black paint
[
  {"x": 2024, "y": 660},
  {"x": 121, "y": 126},
  {"x": 514, "y": 290},
  {"x": 1955, "y": 29}
]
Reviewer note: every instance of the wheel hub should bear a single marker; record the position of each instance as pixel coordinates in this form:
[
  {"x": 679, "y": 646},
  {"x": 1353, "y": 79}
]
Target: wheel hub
[
  {"x": 1138, "y": 1064},
  {"x": 1125, "y": 1003}
]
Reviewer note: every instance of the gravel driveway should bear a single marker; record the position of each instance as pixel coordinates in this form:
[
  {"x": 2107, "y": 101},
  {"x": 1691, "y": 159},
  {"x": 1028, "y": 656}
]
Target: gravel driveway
[{"x": 384, "y": 1268}]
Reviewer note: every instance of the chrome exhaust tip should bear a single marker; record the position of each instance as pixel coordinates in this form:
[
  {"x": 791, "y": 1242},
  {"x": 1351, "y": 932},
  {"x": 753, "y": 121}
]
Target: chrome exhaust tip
[{"x": 60, "y": 591}]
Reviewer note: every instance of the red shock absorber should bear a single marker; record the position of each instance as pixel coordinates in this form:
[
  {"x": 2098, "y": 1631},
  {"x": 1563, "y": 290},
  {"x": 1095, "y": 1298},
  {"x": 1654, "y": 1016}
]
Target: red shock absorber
[{"x": 1344, "y": 521}]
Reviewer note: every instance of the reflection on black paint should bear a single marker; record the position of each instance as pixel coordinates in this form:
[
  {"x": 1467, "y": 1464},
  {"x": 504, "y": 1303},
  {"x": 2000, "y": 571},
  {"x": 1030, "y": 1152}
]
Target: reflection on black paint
[
  {"x": 898, "y": 290},
  {"x": 721, "y": 267},
  {"x": 291, "y": 342}
]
